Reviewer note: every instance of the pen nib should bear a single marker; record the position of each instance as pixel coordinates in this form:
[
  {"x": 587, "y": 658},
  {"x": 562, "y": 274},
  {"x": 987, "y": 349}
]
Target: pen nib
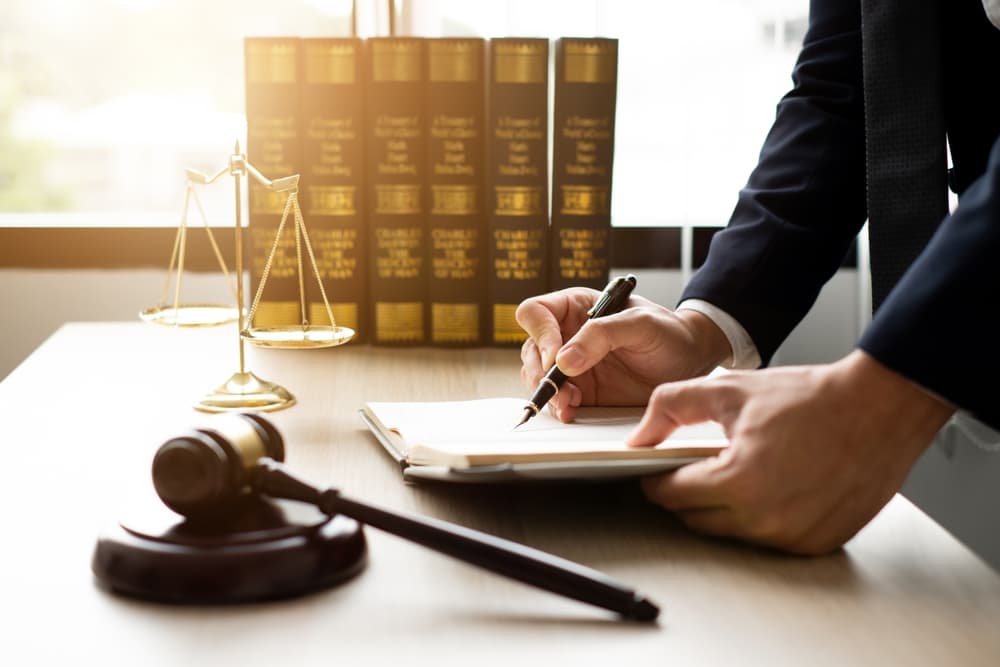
[{"x": 528, "y": 414}]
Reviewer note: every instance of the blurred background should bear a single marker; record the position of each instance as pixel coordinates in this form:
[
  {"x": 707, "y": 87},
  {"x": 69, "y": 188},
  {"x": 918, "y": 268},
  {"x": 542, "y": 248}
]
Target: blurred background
[{"x": 103, "y": 103}]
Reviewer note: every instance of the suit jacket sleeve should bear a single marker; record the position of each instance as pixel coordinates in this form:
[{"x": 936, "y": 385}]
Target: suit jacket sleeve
[
  {"x": 940, "y": 324},
  {"x": 805, "y": 201}
]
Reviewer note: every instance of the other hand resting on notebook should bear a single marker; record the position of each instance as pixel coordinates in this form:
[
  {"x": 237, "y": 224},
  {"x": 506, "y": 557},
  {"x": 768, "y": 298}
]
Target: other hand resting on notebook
[{"x": 814, "y": 451}]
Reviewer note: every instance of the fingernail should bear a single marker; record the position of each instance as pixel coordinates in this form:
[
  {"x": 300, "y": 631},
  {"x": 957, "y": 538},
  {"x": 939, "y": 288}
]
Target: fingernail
[{"x": 570, "y": 360}]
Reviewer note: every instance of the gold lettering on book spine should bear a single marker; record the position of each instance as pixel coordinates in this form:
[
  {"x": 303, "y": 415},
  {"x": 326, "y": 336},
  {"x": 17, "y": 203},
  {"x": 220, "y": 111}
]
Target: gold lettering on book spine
[
  {"x": 399, "y": 322},
  {"x": 397, "y": 252},
  {"x": 583, "y": 254},
  {"x": 269, "y": 62},
  {"x": 505, "y": 326},
  {"x": 518, "y": 253},
  {"x": 585, "y": 200},
  {"x": 454, "y": 322},
  {"x": 396, "y": 60},
  {"x": 454, "y": 199},
  {"x": 590, "y": 62},
  {"x": 518, "y": 200},
  {"x": 336, "y": 252},
  {"x": 397, "y": 199},
  {"x": 520, "y": 62},
  {"x": 329, "y": 63},
  {"x": 454, "y": 61},
  {"x": 331, "y": 200}
]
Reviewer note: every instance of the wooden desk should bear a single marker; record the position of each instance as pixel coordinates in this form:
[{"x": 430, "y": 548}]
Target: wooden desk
[{"x": 80, "y": 421}]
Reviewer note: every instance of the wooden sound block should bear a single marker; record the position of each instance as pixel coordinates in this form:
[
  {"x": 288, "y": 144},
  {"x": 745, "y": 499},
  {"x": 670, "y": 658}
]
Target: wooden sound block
[{"x": 266, "y": 549}]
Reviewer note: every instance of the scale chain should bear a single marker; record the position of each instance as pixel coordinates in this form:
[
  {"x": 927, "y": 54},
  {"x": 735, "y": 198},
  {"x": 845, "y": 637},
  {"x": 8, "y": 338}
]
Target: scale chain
[
  {"x": 312, "y": 259},
  {"x": 267, "y": 263}
]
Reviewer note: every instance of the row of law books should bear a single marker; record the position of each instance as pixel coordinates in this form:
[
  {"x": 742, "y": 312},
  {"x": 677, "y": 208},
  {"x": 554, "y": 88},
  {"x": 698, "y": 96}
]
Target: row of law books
[{"x": 424, "y": 183}]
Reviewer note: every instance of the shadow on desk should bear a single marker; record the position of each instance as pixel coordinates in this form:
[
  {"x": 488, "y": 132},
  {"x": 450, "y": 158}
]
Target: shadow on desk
[{"x": 610, "y": 526}]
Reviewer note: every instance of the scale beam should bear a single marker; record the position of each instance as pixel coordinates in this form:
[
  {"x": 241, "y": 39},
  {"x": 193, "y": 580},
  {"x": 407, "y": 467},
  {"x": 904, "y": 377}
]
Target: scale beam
[{"x": 244, "y": 390}]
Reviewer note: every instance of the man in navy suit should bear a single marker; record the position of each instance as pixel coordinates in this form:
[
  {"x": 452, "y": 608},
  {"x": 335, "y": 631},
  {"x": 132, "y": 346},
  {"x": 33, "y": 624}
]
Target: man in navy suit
[{"x": 816, "y": 451}]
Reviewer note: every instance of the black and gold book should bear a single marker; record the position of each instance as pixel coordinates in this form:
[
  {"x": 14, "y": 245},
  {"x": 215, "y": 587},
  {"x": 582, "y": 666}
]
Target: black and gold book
[
  {"x": 582, "y": 151},
  {"x": 518, "y": 158},
  {"x": 396, "y": 177},
  {"x": 331, "y": 190},
  {"x": 457, "y": 234},
  {"x": 274, "y": 148}
]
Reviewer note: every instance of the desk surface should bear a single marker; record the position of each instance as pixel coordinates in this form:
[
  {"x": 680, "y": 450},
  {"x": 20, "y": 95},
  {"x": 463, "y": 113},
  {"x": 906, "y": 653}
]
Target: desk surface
[{"x": 83, "y": 415}]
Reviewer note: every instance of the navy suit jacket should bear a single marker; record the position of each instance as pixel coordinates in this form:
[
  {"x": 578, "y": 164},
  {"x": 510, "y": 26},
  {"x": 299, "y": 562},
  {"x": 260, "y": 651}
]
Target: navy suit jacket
[{"x": 806, "y": 201}]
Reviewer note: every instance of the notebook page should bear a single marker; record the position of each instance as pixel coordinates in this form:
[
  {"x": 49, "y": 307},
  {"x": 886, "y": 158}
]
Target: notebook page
[{"x": 456, "y": 432}]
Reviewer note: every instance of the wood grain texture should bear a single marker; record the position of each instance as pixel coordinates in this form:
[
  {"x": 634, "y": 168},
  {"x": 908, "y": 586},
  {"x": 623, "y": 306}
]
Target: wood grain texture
[{"x": 84, "y": 414}]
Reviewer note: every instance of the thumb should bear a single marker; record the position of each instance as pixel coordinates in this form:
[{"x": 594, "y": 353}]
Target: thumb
[
  {"x": 599, "y": 337},
  {"x": 689, "y": 402}
]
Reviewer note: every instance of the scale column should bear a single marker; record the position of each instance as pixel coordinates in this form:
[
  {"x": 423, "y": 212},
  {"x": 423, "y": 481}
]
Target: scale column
[{"x": 243, "y": 390}]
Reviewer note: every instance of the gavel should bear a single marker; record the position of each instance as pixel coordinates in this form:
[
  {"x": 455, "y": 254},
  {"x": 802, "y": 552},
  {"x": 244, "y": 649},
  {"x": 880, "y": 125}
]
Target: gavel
[{"x": 205, "y": 473}]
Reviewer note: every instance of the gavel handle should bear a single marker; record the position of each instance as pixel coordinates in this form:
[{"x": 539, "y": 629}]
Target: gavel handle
[{"x": 510, "y": 559}]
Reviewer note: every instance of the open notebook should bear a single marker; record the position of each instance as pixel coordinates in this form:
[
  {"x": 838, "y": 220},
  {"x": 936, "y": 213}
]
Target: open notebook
[{"x": 473, "y": 441}]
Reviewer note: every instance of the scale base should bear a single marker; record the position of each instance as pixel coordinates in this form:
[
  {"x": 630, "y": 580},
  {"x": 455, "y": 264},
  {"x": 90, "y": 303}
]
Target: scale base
[
  {"x": 267, "y": 550},
  {"x": 244, "y": 391}
]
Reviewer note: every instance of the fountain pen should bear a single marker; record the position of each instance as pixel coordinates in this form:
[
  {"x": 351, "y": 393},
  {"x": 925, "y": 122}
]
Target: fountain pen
[{"x": 612, "y": 299}]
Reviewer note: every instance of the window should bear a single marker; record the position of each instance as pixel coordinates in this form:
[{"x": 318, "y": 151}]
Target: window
[
  {"x": 104, "y": 103},
  {"x": 697, "y": 86}
]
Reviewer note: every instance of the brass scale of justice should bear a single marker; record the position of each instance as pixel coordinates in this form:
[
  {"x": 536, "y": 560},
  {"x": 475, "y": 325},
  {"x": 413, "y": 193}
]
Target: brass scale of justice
[{"x": 244, "y": 390}]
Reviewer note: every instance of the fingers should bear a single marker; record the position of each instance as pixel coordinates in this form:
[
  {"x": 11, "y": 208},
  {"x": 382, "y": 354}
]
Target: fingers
[
  {"x": 794, "y": 476},
  {"x": 550, "y": 317},
  {"x": 689, "y": 402},
  {"x": 569, "y": 397},
  {"x": 540, "y": 317},
  {"x": 703, "y": 485},
  {"x": 565, "y": 403},
  {"x": 632, "y": 328},
  {"x": 532, "y": 368},
  {"x": 694, "y": 486}
]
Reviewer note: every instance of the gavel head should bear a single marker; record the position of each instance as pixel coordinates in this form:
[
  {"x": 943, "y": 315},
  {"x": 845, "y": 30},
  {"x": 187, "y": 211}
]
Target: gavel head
[{"x": 207, "y": 471}]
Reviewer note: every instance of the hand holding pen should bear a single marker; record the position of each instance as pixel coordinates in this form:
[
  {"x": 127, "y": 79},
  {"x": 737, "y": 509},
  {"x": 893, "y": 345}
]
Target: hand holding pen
[
  {"x": 612, "y": 300},
  {"x": 615, "y": 360}
]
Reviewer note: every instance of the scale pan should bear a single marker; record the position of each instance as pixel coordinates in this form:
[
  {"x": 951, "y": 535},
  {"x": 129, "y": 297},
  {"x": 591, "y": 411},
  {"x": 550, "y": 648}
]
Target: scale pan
[
  {"x": 299, "y": 337},
  {"x": 191, "y": 315}
]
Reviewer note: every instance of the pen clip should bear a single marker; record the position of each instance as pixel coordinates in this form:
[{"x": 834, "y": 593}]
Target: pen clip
[
  {"x": 601, "y": 301},
  {"x": 612, "y": 291}
]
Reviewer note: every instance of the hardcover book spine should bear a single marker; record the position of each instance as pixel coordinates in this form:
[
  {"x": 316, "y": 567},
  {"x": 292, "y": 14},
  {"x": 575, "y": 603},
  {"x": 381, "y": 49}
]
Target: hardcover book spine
[
  {"x": 456, "y": 220},
  {"x": 273, "y": 147},
  {"x": 517, "y": 123},
  {"x": 331, "y": 190},
  {"x": 583, "y": 148},
  {"x": 396, "y": 166}
]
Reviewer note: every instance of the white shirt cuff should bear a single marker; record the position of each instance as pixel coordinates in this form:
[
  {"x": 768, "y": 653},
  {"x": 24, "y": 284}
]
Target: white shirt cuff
[{"x": 745, "y": 355}]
